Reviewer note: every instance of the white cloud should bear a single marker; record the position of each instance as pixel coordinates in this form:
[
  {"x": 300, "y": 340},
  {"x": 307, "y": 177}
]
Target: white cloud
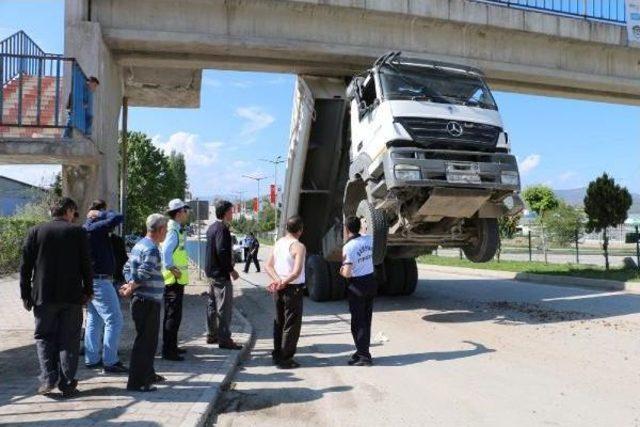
[
  {"x": 566, "y": 176},
  {"x": 529, "y": 163},
  {"x": 196, "y": 153},
  {"x": 256, "y": 119},
  {"x": 40, "y": 175}
]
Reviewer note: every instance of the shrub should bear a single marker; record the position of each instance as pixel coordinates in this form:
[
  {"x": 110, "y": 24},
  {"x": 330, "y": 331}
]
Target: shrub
[{"x": 12, "y": 233}]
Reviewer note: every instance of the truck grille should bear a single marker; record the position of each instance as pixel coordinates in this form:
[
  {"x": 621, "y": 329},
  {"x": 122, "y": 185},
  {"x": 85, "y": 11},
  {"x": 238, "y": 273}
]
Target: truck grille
[{"x": 444, "y": 134}]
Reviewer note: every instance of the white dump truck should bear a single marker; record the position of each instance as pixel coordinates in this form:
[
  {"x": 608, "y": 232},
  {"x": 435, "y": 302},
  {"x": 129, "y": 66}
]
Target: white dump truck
[{"x": 415, "y": 148}]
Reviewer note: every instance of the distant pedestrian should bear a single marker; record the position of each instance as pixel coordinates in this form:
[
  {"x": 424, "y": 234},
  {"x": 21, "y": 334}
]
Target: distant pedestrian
[
  {"x": 56, "y": 280},
  {"x": 254, "y": 247},
  {"x": 357, "y": 268},
  {"x": 104, "y": 317},
  {"x": 219, "y": 269},
  {"x": 286, "y": 267},
  {"x": 175, "y": 271},
  {"x": 145, "y": 283},
  {"x": 92, "y": 84},
  {"x": 246, "y": 244}
]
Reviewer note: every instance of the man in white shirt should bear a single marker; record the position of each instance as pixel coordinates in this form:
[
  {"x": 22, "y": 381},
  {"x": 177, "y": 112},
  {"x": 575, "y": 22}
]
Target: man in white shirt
[
  {"x": 286, "y": 267},
  {"x": 357, "y": 268}
]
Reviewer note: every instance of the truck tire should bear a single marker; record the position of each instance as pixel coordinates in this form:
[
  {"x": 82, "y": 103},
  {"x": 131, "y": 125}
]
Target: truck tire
[
  {"x": 396, "y": 278},
  {"x": 338, "y": 283},
  {"x": 377, "y": 228},
  {"x": 411, "y": 276},
  {"x": 487, "y": 242},
  {"x": 318, "y": 278}
]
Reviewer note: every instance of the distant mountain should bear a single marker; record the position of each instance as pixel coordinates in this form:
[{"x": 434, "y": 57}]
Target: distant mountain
[{"x": 575, "y": 197}]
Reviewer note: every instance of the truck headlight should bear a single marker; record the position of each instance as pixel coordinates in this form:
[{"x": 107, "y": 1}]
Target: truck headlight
[
  {"x": 510, "y": 178},
  {"x": 407, "y": 172}
]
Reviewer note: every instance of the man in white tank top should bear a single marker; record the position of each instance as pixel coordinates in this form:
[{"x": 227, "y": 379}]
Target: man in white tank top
[{"x": 286, "y": 267}]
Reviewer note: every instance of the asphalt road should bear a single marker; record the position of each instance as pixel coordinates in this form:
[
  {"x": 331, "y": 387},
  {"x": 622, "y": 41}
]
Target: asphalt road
[{"x": 462, "y": 351}]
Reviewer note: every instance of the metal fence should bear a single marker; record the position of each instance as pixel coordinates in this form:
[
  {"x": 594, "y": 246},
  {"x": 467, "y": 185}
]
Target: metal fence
[
  {"x": 612, "y": 11},
  {"x": 31, "y": 93}
]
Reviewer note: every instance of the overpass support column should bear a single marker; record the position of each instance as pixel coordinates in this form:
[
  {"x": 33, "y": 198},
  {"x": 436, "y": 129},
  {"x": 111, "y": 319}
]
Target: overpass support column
[{"x": 84, "y": 42}]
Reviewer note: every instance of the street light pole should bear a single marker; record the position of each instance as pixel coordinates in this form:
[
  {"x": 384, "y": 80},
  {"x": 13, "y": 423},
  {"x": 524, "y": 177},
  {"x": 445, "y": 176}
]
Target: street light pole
[
  {"x": 257, "y": 179},
  {"x": 276, "y": 161}
]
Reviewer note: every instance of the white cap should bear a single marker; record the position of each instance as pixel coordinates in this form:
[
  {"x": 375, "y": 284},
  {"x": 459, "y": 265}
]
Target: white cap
[{"x": 177, "y": 204}]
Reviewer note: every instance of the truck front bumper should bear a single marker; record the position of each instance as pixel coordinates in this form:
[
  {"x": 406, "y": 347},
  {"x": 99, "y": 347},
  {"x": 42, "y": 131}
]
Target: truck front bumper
[{"x": 406, "y": 167}]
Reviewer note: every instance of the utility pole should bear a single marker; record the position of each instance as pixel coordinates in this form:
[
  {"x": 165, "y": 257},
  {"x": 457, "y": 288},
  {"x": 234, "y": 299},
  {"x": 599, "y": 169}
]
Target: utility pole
[
  {"x": 257, "y": 178},
  {"x": 275, "y": 162}
]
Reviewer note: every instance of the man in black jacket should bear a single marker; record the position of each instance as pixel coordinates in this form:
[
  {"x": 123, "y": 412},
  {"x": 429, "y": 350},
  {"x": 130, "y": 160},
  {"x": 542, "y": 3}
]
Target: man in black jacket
[
  {"x": 220, "y": 270},
  {"x": 58, "y": 253}
]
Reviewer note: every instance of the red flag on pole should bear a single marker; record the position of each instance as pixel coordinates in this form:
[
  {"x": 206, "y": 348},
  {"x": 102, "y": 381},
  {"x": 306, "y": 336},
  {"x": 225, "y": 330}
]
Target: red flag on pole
[
  {"x": 255, "y": 204},
  {"x": 272, "y": 194}
]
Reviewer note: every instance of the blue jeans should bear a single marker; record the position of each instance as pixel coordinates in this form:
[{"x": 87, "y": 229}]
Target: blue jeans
[{"x": 104, "y": 318}]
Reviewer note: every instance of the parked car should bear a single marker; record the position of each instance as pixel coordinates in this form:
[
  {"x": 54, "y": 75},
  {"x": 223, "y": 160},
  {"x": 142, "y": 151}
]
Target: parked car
[{"x": 238, "y": 248}]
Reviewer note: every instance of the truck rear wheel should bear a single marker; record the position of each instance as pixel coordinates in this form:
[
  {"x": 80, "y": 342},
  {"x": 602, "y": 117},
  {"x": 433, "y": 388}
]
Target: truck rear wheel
[
  {"x": 401, "y": 277},
  {"x": 318, "y": 278},
  {"x": 487, "y": 241},
  {"x": 411, "y": 276},
  {"x": 376, "y": 226}
]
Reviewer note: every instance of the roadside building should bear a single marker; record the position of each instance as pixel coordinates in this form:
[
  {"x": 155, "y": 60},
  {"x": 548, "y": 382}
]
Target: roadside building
[{"x": 15, "y": 194}]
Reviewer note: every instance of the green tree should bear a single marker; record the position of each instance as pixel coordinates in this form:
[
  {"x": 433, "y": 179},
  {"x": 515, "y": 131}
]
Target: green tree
[
  {"x": 606, "y": 205},
  {"x": 178, "y": 170},
  {"x": 565, "y": 224},
  {"x": 541, "y": 199},
  {"x": 150, "y": 181},
  {"x": 56, "y": 188}
]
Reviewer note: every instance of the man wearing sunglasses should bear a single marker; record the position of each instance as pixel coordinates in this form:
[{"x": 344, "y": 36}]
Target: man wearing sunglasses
[{"x": 56, "y": 279}]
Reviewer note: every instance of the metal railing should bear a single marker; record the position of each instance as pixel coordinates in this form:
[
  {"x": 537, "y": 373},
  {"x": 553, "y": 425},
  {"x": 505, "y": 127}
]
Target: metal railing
[
  {"x": 612, "y": 11},
  {"x": 31, "y": 90}
]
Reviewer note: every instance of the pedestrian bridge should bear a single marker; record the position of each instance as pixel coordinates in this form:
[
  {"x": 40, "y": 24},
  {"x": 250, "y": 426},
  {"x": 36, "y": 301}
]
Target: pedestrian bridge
[{"x": 548, "y": 48}]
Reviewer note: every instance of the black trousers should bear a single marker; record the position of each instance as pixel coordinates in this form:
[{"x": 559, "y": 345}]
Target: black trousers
[
  {"x": 361, "y": 309},
  {"x": 173, "y": 296},
  {"x": 220, "y": 310},
  {"x": 57, "y": 335},
  {"x": 287, "y": 322},
  {"x": 146, "y": 316},
  {"x": 247, "y": 262}
]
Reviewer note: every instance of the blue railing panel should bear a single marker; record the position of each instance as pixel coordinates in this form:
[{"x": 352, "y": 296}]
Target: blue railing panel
[
  {"x": 612, "y": 11},
  {"x": 29, "y": 75}
]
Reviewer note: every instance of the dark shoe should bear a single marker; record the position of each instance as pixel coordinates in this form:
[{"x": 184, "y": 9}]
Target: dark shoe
[
  {"x": 230, "y": 346},
  {"x": 288, "y": 364},
  {"x": 143, "y": 389},
  {"x": 353, "y": 359},
  {"x": 212, "y": 340},
  {"x": 94, "y": 365},
  {"x": 158, "y": 378},
  {"x": 363, "y": 362},
  {"x": 118, "y": 368},
  {"x": 45, "y": 389},
  {"x": 275, "y": 358},
  {"x": 182, "y": 350},
  {"x": 173, "y": 357},
  {"x": 69, "y": 390}
]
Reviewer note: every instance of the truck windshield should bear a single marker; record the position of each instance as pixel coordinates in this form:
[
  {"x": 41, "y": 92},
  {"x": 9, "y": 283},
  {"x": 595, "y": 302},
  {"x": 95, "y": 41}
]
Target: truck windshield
[{"x": 435, "y": 85}]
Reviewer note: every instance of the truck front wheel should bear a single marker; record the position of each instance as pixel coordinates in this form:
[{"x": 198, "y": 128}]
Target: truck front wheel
[
  {"x": 375, "y": 225},
  {"x": 486, "y": 242},
  {"x": 318, "y": 278}
]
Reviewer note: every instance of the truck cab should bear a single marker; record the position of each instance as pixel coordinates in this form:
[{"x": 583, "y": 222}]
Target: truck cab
[{"x": 430, "y": 161}]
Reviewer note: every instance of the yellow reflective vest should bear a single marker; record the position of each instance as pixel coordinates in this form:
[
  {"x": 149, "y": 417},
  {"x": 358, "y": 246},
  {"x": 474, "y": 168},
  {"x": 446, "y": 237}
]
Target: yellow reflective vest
[{"x": 180, "y": 257}]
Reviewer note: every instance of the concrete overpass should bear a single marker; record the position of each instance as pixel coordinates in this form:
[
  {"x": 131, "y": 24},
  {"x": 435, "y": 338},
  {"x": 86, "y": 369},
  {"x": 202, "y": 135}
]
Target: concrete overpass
[{"x": 153, "y": 51}]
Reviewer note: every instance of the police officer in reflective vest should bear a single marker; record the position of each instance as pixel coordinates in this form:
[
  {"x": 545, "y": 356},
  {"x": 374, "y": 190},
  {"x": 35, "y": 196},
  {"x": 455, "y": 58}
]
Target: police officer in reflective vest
[
  {"x": 175, "y": 271},
  {"x": 357, "y": 268}
]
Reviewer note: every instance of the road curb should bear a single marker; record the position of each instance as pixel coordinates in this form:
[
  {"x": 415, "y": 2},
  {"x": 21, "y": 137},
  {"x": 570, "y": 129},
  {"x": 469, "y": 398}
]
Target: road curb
[
  {"x": 543, "y": 279},
  {"x": 203, "y": 408}
]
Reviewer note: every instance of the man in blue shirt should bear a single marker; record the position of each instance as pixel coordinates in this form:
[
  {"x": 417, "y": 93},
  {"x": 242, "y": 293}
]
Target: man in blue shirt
[
  {"x": 104, "y": 317},
  {"x": 145, "y": 282}
]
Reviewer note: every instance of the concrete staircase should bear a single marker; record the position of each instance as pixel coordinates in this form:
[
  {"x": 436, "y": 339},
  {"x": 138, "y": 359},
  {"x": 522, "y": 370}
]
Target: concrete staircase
[{"x": 10, "y": 128}]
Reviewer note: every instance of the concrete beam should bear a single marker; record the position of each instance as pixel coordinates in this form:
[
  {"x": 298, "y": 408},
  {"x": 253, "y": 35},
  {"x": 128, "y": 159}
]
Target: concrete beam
[
  {"x": 519, "y": 50},
  {"x": 162, "y": 87},
  {"x": 48, "y": 151}
]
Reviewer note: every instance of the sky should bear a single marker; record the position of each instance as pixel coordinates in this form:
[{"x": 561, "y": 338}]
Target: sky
[{"x": 244, "y": 117}]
